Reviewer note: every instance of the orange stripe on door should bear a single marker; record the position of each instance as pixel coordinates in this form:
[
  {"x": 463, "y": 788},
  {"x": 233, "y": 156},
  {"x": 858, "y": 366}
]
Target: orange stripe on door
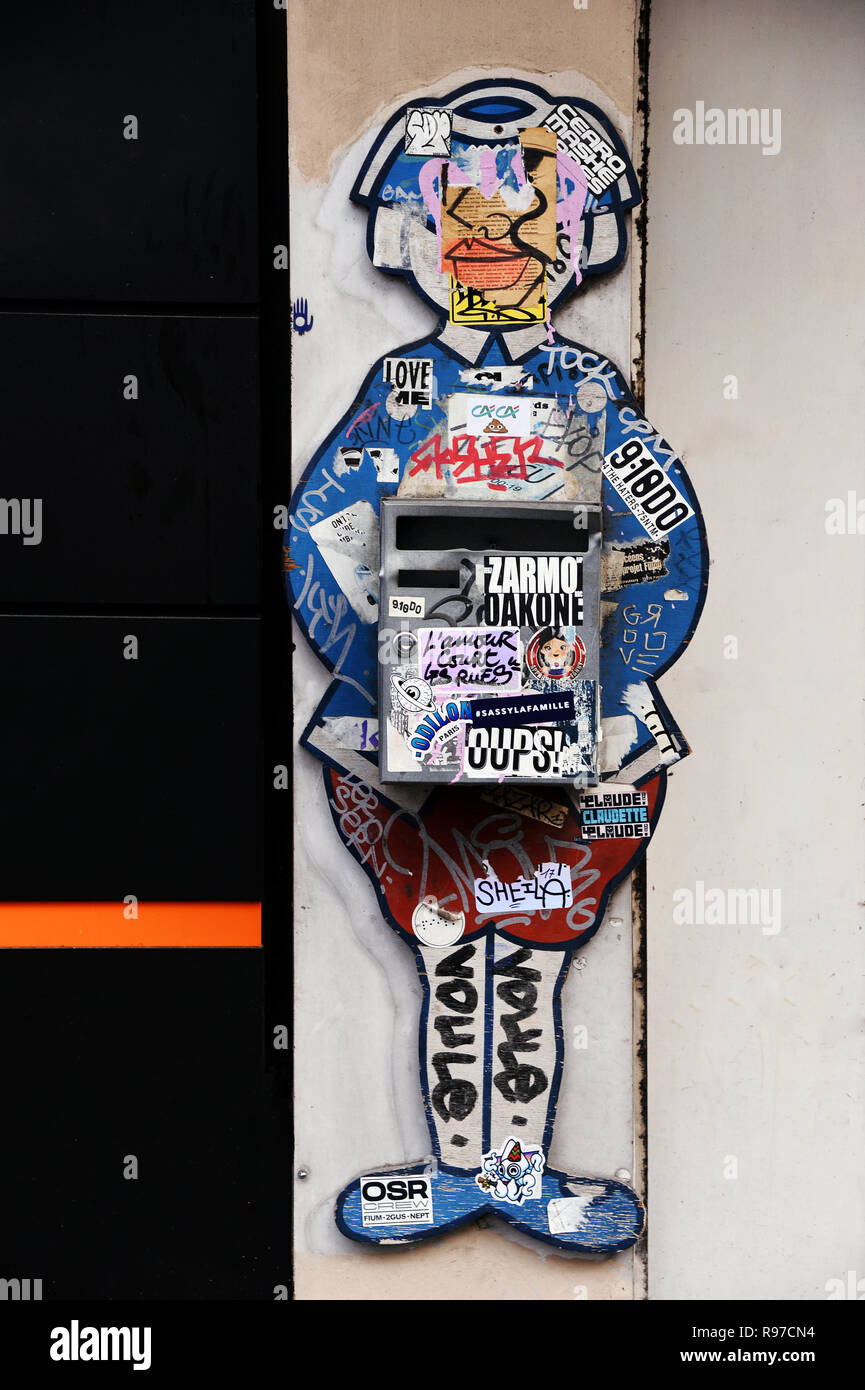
[{"x": 104, "y": 924}]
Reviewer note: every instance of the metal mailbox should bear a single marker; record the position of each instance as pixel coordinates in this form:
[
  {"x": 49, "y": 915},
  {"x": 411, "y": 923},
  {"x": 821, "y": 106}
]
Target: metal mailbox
[{"x": 488, "y": 641}]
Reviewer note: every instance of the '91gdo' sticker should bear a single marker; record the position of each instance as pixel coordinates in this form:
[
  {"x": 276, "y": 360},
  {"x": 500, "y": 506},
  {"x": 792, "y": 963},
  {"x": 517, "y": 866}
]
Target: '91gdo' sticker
[{"x": 646, "y": 489}]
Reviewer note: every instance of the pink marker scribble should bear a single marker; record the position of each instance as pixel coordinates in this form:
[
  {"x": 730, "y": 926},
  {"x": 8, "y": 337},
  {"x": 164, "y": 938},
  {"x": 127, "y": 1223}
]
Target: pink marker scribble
[
  {"x": 569, "y": 208},
  {"x": 519, "y": 168},
  {"x": 362, "y": 417},
  {"x": 429, "y": 174},
  {"x": 489, "y": 174}
]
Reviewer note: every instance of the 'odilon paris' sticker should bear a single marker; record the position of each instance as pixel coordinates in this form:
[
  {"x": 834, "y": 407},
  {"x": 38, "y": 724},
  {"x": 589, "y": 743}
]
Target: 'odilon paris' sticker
[{"x": 395, "y": 1199}]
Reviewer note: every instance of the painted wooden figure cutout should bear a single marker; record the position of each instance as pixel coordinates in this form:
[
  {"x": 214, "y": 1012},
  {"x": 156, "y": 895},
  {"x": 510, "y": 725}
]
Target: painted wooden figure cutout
[{"x": 494, "y": 203}]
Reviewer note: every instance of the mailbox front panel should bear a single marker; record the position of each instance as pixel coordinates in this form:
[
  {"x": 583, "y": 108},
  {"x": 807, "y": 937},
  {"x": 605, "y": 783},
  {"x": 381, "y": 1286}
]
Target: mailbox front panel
[{"x": 488, "y": 642}]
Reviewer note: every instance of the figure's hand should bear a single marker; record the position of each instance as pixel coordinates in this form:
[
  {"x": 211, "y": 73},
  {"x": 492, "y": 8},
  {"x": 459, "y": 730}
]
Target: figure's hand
[
  {"x": 301, "y": 319},
  {"x": 460, "y": 834}
]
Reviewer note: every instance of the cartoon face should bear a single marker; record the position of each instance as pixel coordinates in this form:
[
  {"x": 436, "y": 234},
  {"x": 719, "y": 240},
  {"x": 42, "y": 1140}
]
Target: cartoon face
[
  {"x": 511, "y": 1173},
  {"x": 410, "y": 692},
  {"x": 483, "y": 200},
  {"x": 555, "y": 655},
  {"x": 551, "y": 655}
]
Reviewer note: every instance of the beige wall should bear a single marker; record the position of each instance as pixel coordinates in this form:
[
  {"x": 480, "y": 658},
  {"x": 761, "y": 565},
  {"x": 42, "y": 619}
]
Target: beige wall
[
  {"x": 349, "y": 60},
  {"x": 755, "y": 269}
]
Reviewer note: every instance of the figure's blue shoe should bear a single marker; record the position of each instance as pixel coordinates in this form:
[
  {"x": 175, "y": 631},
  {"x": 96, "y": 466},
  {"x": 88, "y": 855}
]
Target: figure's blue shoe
[
  {"x": 411, "y": 1203},
  {"x": 592, "y": 1215}
]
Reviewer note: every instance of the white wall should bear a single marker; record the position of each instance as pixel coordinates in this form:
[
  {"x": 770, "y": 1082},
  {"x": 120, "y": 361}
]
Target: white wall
[{"x": 755, "y": 268}]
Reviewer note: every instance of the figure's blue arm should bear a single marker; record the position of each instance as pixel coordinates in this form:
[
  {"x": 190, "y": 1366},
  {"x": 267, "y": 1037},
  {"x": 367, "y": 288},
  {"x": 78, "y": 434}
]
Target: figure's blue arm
[
  {"x": 654, "y": 619},
  {"x": 338, "y": 615}
]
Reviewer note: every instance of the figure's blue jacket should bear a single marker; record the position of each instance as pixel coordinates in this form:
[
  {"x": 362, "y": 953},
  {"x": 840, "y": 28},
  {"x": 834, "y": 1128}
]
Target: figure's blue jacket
[{"x": 651, "y": 623}]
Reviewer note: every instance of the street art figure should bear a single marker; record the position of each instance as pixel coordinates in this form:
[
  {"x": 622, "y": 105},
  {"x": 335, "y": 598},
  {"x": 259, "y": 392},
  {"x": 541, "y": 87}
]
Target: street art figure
[{"x": 494, "y": 203}]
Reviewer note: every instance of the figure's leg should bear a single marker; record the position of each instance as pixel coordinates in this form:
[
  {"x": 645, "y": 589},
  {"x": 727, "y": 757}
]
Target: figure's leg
[
  {"x": 577, "y": 1213},
  {"x": 490, "y": 1062},
  {"x": 453, "y": 1073}
]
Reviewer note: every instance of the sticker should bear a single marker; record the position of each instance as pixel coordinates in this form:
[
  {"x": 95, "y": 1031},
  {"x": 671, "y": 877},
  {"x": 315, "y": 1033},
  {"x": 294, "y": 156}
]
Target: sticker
[
  {"x": 552, "y": 656},
  {"x": 301, "y": 319},
  {"x": 548, "y": 889},
  {"x": 527, "y": 803},
  {"x": 495, "y": 377},
  {"x": 646, "y": 489},
  {"x": 353, "y": 731},
  {"x": 632, "y": 562},
  {"x": 396, "y": 1198},
  {"x": 348, "y": 543},
  {"x": 511, "y": 1174},
  {"x": 405, "y": 606},
  {"x": 614, "y": 813},
  {"x": 409, "y": 695},
  {"x": 435, "y": 926},
  {"x": 517, "y": 752},
  {"x": 386, "y": 464},
  {"x": 348, "y": 458},
  {"x": 429, "y": 734},
  {"x": 439, "y": 724},
  {"x": 477, "y": 414},
  {"x": 565, "y": 1215},
  {"x": 397, "y": 411},
  {"x": 641, "y": 702},
  {"x": 595, "y": 156},
  {"x": 532, "y": 591},
  {"x": 524, "y": 709},
  {"x": 618, "y": 736},
  {"x": 469, "y": 306},
  {"x": 471, "y": 658},
  {"x": 592, "y": 397},
  {"x": 411, "y": 378},
  {"x": 427, "y": 131}
]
